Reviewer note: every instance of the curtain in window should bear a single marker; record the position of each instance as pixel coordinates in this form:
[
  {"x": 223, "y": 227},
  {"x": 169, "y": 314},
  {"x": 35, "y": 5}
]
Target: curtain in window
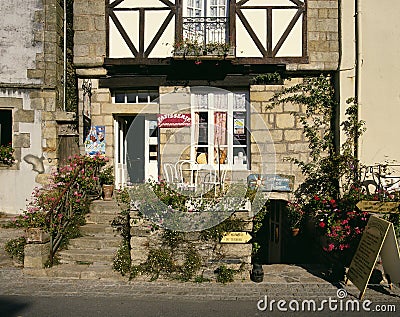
[{"x": 219, "y": 128}]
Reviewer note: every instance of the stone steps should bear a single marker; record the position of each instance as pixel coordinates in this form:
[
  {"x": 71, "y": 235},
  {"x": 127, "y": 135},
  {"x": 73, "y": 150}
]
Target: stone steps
[
  {"x": 96, "y": 229},
  {"x": 90, "y": 256},
  {"x": 95, "y": 242},
  {"x": 77, "y": 271}
]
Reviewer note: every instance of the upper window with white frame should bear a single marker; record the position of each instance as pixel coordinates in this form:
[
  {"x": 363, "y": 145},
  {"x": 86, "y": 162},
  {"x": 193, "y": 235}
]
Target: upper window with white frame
[
  {"x": 135, "y": 96},
  {"x": 206, "y": 21},
  {"x": 220, "y": 133}
]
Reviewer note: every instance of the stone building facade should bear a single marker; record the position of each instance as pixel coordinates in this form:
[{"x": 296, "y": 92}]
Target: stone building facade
[
  {"x": 92, "y": 23},
  {"x": 31, "y": 92}
]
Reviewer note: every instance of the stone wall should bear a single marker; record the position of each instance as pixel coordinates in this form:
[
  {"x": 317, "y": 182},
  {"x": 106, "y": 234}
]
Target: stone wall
[
  {"x": 31, "y": 87},
  {"x": 285, "y": 130},
  {"x": 213, "y": 253},
  {"x": 322, "y": 36}
]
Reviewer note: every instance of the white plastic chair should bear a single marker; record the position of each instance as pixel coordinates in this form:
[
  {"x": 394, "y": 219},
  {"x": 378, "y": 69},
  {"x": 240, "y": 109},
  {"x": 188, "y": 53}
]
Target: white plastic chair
[
  {"x": 170, "y": 174},
  {"x": 211, "y": 178},
  {"x": 182, "y": 167}
]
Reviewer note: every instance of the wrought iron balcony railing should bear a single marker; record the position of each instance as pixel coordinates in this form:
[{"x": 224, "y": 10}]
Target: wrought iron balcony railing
[
  {"x": 204, "y": 36},
  {"x": 206, "y": 30}
]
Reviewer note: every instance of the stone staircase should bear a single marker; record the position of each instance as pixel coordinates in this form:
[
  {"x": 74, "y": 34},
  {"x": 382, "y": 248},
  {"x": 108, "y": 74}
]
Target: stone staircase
[{"x": 90, "y": 256}]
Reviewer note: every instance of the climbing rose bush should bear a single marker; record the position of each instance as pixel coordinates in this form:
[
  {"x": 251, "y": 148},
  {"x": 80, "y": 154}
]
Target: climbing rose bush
[{"x": 71, "y": 187}]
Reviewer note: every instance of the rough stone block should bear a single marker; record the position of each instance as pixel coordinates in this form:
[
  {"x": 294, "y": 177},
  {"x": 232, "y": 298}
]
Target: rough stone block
[
  {"x": 25, "y": 116},
  {"x": 284, "y": 121},
  {"x": 36, "y": 255},
  {"x": 22, "y": 140},
  {"x": 293, "y": 135},
  {"x": 235, "y": 250}
]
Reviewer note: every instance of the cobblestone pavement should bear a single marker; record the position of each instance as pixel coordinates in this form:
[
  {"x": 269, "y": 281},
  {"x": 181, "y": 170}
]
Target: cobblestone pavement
[{"x": 289, "y": 282}]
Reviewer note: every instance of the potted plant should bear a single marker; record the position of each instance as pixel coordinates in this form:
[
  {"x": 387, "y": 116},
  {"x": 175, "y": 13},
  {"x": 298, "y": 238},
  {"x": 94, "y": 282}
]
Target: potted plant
[
  {"x": 7, "y": 155},
  {"x": 106, "y": 178},
  {"x": 295, "y": 215}
]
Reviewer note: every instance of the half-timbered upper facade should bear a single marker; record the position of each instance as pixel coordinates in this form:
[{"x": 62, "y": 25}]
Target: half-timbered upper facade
[
  {"x": 252, "y": 31},
  {"x": 136, "y": 52}
]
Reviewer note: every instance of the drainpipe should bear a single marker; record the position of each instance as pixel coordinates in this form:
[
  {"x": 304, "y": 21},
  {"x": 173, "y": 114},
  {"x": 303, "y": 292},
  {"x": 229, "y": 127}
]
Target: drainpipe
[
  {"x": 358, "y": 61},
  {"x": 65, "y": 56}
]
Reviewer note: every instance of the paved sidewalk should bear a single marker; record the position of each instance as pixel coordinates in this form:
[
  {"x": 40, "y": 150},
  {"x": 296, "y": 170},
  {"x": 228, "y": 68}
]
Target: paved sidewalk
[{"x": 280, "y": 282}]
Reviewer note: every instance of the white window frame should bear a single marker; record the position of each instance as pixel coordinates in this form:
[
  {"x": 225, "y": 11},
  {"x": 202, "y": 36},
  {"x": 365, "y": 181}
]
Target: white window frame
[
  {"x": 126, "y": 92},
  {"x": 232, "y": 163}
]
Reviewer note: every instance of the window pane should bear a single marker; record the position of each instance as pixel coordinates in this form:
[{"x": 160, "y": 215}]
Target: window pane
[
  {"x": 200, "y": 101},
  {"x": 220, "y": 128},
  {"x": 5, "y": 127},
  {"x": 221, "y": 101},
  {"x": 239, "y": 128},
  {"x": 240, "y": 102},
  {"x": 119, "y": 97},
  {"x": 203, "y": 128},
  {"x": 143, "y": 97},
  {"x": 240, "y": 156},
  {"x": 131, "y": 97}
]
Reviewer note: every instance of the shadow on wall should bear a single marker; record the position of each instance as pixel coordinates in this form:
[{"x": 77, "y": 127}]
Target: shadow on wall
[{"x": 36, "y": 162}]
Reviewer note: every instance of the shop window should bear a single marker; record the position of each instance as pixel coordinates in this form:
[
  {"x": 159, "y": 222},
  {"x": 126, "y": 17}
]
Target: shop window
[
  {"x": 220, "y": 129},
  {"x": 5, "y": 127}
]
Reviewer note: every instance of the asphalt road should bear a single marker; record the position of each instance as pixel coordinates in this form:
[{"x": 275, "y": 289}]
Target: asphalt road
[{"x": 88, "y": 306}]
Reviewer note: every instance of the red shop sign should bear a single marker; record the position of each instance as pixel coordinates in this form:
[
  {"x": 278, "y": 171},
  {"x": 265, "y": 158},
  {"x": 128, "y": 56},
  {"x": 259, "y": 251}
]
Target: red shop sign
[{"x": 174, "y": 120}]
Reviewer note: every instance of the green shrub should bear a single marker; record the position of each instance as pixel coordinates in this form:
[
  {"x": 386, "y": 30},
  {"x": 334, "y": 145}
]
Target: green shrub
[
  {"x": 225, "y": 275},
  {"x": 15, "y": 248},
  {"x": 122, "y": 260}
]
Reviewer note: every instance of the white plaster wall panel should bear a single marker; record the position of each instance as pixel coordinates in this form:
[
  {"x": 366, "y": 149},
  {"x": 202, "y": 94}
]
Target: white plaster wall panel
[
  {"x": 268, "y": 2},
  {"x": 130, "y": 22},
  {"x": 142, "y": 4},
  {"x": 18, "y": 48},
  {"x": 292, "y": 46},
  {"x": 164, "y": 46},
  {"x": 245, "y": 46},
  {"x": 20, "y": 183},
  {"x": 379, "y": 85}
]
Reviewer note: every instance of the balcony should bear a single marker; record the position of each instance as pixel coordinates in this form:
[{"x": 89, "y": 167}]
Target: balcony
[{"x": 205, "y": 37}]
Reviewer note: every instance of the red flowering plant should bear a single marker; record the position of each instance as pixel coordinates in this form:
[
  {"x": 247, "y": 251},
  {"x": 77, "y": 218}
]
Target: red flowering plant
[{"x": 340, "y": 223}]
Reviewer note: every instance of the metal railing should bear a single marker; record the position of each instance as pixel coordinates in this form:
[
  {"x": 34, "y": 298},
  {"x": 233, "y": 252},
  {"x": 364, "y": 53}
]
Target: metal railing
[
  {"x": 380, "y": 179},
  {"x": 206, "y": 30},
  {"x": 61, "y": 213}
]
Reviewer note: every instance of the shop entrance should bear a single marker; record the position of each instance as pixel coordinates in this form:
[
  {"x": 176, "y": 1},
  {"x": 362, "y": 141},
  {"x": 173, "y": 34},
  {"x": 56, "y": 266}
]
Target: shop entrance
[{"x": 136, "y": 150}]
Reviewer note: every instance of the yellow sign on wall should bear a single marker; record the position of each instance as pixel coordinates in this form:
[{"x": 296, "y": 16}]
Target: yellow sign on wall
[
  {"x": 236, "y": 237},
  {"x": 378, "y": 206}
]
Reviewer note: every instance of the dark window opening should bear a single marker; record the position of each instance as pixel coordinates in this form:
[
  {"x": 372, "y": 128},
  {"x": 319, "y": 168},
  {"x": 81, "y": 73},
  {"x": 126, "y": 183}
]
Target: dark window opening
[{"x": 5, "y": 127}]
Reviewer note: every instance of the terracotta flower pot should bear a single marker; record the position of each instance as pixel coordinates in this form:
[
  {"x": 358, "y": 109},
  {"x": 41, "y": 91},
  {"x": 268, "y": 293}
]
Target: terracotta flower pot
[
  {"x": 108, "y": 191},
  {"x": 295, "y": 231}
]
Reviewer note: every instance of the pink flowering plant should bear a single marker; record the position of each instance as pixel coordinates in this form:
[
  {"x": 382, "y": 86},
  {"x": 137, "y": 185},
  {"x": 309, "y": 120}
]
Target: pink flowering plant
[
  {"x": 7, "y": 154},
  {"x": 59, "y": 207}
]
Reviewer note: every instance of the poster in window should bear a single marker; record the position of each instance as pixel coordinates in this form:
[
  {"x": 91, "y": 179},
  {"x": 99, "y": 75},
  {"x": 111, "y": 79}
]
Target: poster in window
[
  {"x": 238, "y": 126},
  {"x": 95, "y": 143}
]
